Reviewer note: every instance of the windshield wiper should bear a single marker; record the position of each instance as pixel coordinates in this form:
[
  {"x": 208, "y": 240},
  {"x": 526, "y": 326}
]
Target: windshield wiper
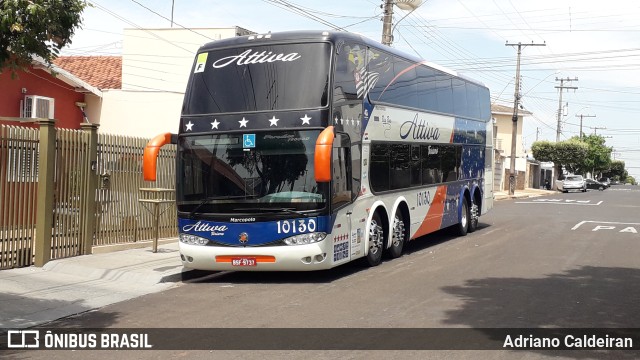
[
  {"x": 285, "y": 210},
  {"x": 212, "y": 198}
]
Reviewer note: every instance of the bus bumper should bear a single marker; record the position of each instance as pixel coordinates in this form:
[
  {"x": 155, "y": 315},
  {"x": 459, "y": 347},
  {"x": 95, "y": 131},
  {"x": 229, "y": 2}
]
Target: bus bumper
[{"x": 269, "y": 258}]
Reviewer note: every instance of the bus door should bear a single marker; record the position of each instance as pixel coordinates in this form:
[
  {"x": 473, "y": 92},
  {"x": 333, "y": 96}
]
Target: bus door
[{"x": 341, "y": 197}]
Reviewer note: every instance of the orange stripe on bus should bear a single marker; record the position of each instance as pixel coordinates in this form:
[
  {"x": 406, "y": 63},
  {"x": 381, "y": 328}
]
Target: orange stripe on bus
[
  {"x": 259, "y": 258},
  {"x": 433, "y": 220}
]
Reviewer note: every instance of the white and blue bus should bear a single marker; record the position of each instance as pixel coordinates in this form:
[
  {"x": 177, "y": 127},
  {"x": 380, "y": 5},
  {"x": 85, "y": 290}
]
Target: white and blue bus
[{"x": 307, "y": 150}]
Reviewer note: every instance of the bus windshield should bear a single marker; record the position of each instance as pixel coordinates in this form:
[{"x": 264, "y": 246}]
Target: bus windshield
[
  {"x": 236, "y": 173},
  {"x": 260, "y": 78}
]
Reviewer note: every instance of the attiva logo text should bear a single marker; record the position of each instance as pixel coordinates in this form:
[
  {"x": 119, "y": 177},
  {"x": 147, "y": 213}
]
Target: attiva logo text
[
  {"x": 255, "y": 58},
  {"x": 419, "y": 130},
  {"x": 204, "y": 227}
]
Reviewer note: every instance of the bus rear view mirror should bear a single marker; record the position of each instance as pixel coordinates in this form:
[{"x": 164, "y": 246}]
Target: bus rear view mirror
[
  {"x": 150, "y": 156},
  {"x": 322, "y": 157}
]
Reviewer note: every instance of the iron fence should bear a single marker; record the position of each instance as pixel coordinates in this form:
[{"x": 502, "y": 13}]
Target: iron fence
[{"x": 107, "y": 187}]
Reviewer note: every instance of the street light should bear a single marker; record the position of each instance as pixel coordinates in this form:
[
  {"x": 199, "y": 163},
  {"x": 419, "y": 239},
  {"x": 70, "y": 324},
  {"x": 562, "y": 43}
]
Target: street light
[{"x": 387, "y": 28}]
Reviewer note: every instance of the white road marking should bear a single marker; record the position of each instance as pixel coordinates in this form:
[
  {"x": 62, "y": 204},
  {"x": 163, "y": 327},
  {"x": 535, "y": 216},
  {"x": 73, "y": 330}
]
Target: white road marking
[
  {"x": 602, "y": 227},
  {"x": 556, "y": 202}
]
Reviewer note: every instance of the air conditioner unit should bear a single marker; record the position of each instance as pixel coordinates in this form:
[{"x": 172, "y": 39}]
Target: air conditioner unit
[{"x": 34, "y": 106}]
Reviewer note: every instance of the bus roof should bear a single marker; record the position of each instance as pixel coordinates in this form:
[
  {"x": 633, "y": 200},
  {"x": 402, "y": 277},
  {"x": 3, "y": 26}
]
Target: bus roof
[{"x": 319, "y": 35}]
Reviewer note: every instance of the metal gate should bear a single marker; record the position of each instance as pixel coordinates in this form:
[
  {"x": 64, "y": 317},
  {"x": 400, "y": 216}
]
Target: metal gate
[
  {"x": 119, "y": 216},
  {"x": 74, "y": 201},
  {"x": 18, "y": 181}
]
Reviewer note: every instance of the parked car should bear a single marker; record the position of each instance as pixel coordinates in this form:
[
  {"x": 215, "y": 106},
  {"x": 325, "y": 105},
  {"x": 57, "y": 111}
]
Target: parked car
[
  {"x": 593, "y": 184},
  {"x": 572, "y": 182},
  {"x": 605, "y": 180}
]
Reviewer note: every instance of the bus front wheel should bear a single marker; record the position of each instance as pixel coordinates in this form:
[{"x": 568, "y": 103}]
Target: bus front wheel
[{"x": 376, "y": 241}]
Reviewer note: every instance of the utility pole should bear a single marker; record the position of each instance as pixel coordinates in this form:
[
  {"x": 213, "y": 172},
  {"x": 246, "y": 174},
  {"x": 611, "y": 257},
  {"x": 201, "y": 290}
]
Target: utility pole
[
  {"x": 387, "y": 23},
  {"x": 514, "y": 119},
  {"x": 595, "y": 130},
  {"x": 537, "y": 133},
  {"x": 562, "y": 87},
  {"x": 581, "y": 116},
  {"x": 173, "y": 2}
]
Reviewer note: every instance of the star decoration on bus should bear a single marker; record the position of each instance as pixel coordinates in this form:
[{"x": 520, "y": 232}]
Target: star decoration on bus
[
  {"x": 189, "y": 126},
  {"x": 349, "y": 121},
  {"x": 214, "y": 124},
  {"x": 305, "y": 120},
  {"x": 243, "y": 122},
  {"x": 273, "y": 121}
]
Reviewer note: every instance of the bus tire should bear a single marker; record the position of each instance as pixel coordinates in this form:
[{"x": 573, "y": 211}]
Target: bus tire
[
  {"x": 463, "y": 225},
  {"x": 473, "y": 217},
  {"x": 376, "y": 240},
  {"x": 398, "y": 235}
]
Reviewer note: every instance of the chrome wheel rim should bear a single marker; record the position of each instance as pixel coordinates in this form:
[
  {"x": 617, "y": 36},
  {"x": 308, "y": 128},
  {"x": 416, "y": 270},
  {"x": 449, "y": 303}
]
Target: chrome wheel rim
[
  {"x": 463, "y": 218},
  {"x": 398, "y": 231},
  {"x": 474, "y": 212},
  {"x": 375, "y": 237}
]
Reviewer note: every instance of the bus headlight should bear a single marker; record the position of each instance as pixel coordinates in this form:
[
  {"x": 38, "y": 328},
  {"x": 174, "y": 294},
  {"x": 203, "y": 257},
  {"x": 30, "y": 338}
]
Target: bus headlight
[
  {"x": 304, "y": 239},
  {"x": 192, "y": 239}
]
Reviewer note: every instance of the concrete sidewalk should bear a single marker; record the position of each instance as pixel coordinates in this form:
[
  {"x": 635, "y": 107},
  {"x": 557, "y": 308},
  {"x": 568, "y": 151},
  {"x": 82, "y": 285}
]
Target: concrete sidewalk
[
  {"x": 33, "y": 296},
  {"x": 526, "y": 193}
]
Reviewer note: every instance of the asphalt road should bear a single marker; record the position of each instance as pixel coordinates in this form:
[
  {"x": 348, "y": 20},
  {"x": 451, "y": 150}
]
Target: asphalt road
[{"x": 563, "y": 260}]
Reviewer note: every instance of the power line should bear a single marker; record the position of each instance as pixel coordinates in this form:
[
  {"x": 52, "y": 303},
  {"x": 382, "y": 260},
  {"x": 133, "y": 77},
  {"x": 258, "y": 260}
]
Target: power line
[
  {"x": 171, "y": 20},
  {"x": 117, "y": 16}
]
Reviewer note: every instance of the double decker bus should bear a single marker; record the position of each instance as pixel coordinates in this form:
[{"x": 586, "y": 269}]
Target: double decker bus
[{"x": 307, "y": 150}]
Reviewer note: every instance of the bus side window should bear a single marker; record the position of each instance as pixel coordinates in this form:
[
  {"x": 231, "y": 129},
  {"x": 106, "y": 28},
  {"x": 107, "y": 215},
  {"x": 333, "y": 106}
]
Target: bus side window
[
  {"x": 379, "y": 167},
  {"x": 341, "y": 174}
]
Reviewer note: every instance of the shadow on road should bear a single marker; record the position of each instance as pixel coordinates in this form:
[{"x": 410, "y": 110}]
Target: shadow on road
[
  {"x": 321, "y": 276},
  {"x": 19, "y": 311},
  {"x": 587, "y": 297}
]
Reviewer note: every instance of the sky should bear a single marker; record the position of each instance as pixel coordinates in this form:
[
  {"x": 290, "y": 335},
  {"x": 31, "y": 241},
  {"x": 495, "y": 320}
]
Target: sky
[{"x": 584, "y": 39}]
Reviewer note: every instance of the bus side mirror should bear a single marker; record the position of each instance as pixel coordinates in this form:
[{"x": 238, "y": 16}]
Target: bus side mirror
[
  {"x": 322, "y": 157},
  {"x": 150, "y": 156}
]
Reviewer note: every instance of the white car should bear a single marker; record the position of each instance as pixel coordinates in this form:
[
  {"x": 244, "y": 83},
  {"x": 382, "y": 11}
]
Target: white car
[{"x": 573, "y": 182}]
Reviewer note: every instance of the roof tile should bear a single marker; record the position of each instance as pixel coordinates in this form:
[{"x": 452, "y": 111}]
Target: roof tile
[{"x": 103, "y": 72}]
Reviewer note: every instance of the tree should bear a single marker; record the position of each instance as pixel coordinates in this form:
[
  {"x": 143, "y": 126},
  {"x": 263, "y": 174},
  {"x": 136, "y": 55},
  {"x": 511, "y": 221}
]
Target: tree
[
  {"x": 598, "y": 157},
  {"x": 36, "y": 28},
  {"x": 630, "y": 180},
  {"x": 569, "y": 154},
  {"x": 616, "y": 171}
]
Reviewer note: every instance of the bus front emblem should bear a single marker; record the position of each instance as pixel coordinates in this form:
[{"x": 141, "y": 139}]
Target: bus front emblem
[{"x": 243, "y": 238}]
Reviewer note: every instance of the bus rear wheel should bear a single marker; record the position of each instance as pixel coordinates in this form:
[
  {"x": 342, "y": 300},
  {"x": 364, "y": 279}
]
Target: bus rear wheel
[
  {"x": 376, "y": 241},
  {"x": 473, "y": 217},
  {"x": 463, "y": 224},
  {"x": 398, "y": 236}
]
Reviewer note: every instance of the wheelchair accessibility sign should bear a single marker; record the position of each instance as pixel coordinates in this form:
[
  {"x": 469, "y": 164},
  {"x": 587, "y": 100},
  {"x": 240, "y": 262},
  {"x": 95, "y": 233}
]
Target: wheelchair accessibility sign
[{"x": 248, "y": 140}]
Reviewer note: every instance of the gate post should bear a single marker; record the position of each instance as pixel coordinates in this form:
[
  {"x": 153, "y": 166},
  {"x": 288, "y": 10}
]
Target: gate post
[
  {"x": 44, "y": 201},
  {"x": 88, "y": 204}
]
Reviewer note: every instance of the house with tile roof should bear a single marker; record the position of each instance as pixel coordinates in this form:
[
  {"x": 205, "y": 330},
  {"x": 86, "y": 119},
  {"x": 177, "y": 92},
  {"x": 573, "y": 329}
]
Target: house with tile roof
[
  {"x": 143, "y": 90},
  {"x": 139, "y": 93},
  {"x": 42, "y": 91}
]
